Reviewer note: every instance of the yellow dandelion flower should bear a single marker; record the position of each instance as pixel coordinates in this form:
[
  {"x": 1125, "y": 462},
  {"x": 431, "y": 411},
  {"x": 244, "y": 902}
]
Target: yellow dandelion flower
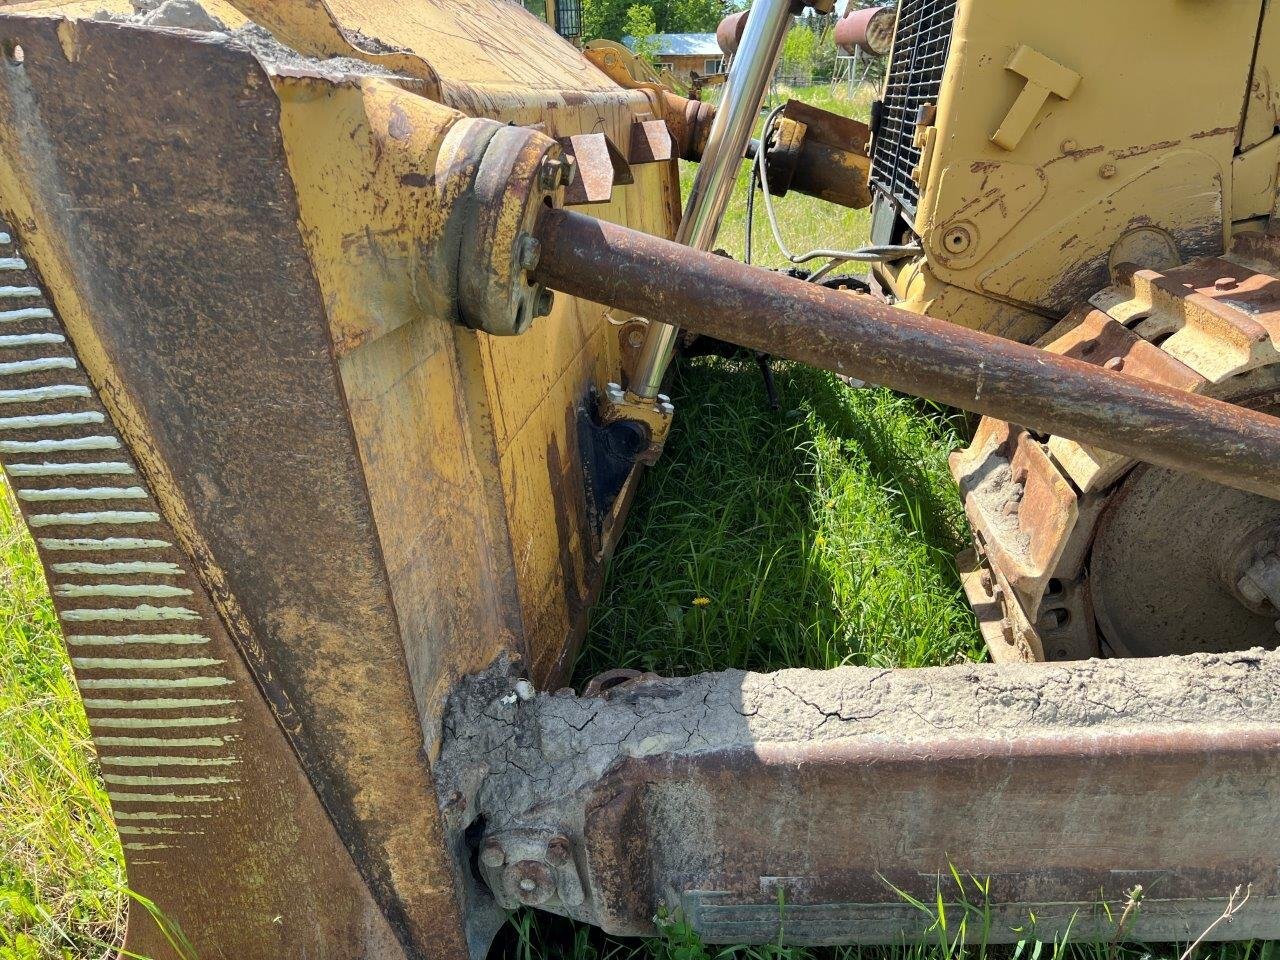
[
  {"x": 819, "y": 541},
  {"x": 702, "y": 601}
]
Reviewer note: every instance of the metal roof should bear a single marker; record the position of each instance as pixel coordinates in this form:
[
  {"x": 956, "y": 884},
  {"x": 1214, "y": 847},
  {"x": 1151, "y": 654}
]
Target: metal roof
[{"x": 681, "y": 44}]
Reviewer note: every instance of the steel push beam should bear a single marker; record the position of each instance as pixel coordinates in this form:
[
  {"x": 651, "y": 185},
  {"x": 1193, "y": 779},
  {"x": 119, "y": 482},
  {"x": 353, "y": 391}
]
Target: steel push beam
[
  {"x": 1105, "y": 800},
  {"x": 860, "y": 337},
  {"x": 1098, "y": 800}
]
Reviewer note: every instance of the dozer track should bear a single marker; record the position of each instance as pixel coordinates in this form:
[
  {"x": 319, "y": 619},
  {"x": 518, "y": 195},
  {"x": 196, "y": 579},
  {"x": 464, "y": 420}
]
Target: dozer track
[{"x": 1080, "y": 552}]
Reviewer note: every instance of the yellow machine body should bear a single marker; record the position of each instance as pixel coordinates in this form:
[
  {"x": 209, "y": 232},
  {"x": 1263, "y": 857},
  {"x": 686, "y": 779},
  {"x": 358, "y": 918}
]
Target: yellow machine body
[
  {"x": 1055, "y": 149},
  {"x": 322, "y": 533},
  {"x": 307, "y": 174}
]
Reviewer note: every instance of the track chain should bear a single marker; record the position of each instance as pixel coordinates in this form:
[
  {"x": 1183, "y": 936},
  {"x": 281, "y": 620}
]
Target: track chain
[{"x": 1036, "y": 503}]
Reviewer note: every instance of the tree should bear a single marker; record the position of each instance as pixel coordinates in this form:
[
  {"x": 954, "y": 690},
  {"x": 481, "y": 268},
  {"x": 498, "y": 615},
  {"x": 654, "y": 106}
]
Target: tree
[
  {"x": 640, "y": 24},
  {"x": 608, "y": 18},
  {"x": 604, "y": 19},
  {"x": 694, "y": 16}
]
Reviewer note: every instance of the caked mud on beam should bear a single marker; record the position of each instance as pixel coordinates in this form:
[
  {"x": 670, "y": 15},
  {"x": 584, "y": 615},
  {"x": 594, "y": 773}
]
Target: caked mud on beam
[{"x": 813, "y": 803}]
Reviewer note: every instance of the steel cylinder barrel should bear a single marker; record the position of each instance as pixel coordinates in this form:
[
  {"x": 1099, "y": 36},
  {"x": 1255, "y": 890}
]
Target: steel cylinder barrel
[
  {"x": 765, "y": 29},
  {"x": 859, "y": 337}
]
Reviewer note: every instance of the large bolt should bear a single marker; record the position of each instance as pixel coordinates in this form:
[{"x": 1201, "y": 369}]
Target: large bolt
[
  {"x": 957, "y": 240},
  {"x": 558, "y": 850},
  {"x": 557, "y": 173},
  {"x": 546, "y": 300},
  {"x": 492, "y": 854},
  {"x": 530, "y": 252},
  {"x": 532, "y": 882}
]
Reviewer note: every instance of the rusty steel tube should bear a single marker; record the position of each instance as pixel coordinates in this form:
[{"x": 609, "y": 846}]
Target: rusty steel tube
[{"x": 859, "y": 337}]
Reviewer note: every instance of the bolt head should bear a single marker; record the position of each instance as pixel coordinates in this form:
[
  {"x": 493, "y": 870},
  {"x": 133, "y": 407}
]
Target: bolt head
[
  {"x": 1107, "y": 171},
  {"x": 532, "y": 882},
  {"x": 551, "y": 175},
  {"x": 546, "y": 300},
  {"x": 492, "y": 854},
  {"x": 1115, "y": 363},
  {"x": 957, "y": 240},
  {"x": 558, "y": 850},
  {"x": 569, "y": 171},
  {"x": 530, "y": 252},
  {"x": 636, "y": 338},
  {"x": 558, "y": 172}
]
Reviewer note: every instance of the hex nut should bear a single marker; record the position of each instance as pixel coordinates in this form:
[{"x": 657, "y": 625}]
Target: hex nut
[
  {"x": 557, "y": 173},
  {"x": 530, "y": 252},
  {"x": 549, "y": 176}
]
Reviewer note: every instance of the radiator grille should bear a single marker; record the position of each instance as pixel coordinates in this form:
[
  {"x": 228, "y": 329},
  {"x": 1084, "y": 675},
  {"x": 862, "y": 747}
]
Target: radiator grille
[{"x": 915, "y": 76}]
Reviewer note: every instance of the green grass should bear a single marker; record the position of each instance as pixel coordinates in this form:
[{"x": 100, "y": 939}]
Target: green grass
[
  {"x": 818, "y": 535},
  {"x": 61, "y": 872}
]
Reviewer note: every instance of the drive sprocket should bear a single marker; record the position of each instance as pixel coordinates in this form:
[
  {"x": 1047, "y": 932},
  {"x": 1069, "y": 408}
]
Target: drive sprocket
[{"x": 1083, "y": 553}]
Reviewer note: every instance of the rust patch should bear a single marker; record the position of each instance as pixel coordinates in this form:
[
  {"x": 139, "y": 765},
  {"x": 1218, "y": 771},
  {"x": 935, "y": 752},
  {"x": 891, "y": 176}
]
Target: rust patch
[
  {"x": 1138, "y": 151},
  {"x": 1215, "y": 132}
]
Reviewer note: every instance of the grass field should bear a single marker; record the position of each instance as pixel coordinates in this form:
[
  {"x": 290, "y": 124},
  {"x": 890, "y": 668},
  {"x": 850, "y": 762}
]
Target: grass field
[{"x": 818, "y": 535}]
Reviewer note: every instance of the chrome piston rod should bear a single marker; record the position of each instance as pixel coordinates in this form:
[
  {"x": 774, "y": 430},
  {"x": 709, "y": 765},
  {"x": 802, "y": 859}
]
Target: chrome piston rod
[
  {"x": 859, "y": 337},
  {"x": 767, "y": 26}
]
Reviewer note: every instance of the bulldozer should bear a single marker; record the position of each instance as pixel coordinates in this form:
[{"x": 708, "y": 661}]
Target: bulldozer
[{"x": 333, "y": 353}]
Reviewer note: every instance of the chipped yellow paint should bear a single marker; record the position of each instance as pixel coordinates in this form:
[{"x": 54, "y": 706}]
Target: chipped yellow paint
[{"x": 1141, "y": 140}]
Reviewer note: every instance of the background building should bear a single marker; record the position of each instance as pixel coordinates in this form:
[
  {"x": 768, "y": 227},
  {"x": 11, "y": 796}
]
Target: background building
[{"x": 683, "y": 54}]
